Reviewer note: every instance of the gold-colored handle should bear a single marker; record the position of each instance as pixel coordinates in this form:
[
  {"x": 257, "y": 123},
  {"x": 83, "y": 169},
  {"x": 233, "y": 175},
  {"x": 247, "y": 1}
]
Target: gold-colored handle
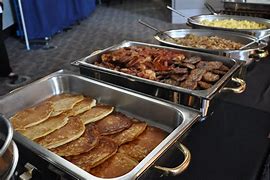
[
  {"x": 259, "y": 54},
  {"x": 182, "y": 167},
  {"x": 263, "y": 53},
  {"x": 238, "y": 90}
]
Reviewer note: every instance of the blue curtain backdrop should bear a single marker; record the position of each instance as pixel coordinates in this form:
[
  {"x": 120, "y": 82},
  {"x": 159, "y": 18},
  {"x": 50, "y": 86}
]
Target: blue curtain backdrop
[{"x": 43, "y": 18}]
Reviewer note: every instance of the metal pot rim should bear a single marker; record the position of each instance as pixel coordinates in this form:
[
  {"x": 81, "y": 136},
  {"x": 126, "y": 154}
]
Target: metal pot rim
[
  {"x": 9, "y": 137},
  {"x": 260, "y": 45},
  {"x": 14, "y": 160},
  {"x": 207, "y": 16}
]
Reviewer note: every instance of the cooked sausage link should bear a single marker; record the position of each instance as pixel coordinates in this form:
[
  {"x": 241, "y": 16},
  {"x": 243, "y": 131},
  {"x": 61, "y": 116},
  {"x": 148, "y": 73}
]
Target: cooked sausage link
[
  {"x": 170, "y": 81},
  {"x": 224, "y": 68},
  {"x": 179, "y": 77},
  {"x": 204, "y": 85},
  {"x": 202, "y": 65},
  {"x": 189, "y": 84},
  {"x": 216, "y": 71},
  {"x": 209, "y": 65},
  {"x": 178, "y": 70},
  {"x": 196, "y": 74},
  {"x": 215, "y": 64},
  {"x": 210, "y": 77},
  {"x": 188, "y": 65},
  {"x": 192, "y": 60}
]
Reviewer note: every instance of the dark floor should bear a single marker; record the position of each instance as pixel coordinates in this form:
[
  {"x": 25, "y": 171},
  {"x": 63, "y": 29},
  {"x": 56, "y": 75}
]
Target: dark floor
[{"x": 107, "y": 25}]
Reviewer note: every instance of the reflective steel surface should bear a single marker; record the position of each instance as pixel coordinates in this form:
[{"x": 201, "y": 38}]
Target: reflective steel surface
[{"x": 172, "y": 118}]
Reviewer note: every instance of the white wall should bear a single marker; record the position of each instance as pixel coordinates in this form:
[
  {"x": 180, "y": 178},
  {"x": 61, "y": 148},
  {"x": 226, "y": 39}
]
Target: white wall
[
  {"x": 8, "y": 19},
  {"x": 191, "y": 8}
]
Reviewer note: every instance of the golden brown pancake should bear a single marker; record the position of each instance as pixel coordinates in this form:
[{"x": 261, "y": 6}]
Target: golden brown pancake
[
  {"x": 46, "y": 127},
  {"x": 117, "y": 165},
  {"x": 71, "y": 131},
  {"x": 103, "y": 151},
  {"x": 32, "y": 116},
  {"x": 96, "y": 113},
  {"x": 82, "y": 106},
  {"x": 83, "y": 144},
  {"x": 64, "y": 102},
  {"x": 144, "y": 144},
  {"x": 114, "y": 123},
  {"x": 129, "y": 134}
]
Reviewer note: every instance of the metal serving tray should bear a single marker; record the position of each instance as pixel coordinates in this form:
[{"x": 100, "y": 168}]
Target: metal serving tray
[
  {"x": 248, "y": 55},
  {"x": 194, "y": 21},
  {"x": 198, "y": 99},
  {"x": 172, "y": 118}
]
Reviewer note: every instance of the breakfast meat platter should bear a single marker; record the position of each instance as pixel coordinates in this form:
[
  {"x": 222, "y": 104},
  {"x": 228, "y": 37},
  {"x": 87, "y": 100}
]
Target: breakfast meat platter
[{"x": 181, "y": 76}]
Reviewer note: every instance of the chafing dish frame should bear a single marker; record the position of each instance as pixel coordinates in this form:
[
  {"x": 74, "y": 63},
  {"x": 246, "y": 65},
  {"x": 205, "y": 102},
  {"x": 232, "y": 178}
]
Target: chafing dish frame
[
  {"x": 197, "y": 99},
  {"x": 175, "y": 119}
]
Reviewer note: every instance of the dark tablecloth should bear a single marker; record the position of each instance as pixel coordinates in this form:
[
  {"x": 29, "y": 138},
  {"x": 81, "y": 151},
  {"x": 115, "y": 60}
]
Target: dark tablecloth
[
  {"x": 257, "y": 94},
  {"x": 233, "y": 143}
]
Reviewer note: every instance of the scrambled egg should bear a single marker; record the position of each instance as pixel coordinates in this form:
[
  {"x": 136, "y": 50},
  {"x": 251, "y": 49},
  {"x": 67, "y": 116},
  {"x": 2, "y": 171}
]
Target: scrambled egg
[{"x": 234, "y": 24}]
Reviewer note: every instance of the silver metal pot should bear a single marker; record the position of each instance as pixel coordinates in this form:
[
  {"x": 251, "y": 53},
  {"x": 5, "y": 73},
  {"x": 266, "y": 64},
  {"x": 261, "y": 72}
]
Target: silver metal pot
[
  {"x": 9, "y": 152},
  {"x": 195, "y": 22},
  {"x": 248, "y": 55}
]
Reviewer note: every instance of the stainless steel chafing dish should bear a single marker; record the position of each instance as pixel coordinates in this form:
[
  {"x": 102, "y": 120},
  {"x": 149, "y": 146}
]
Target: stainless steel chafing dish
[
  {"x": 198, "y": 99},
  {"x": 248, "y": 55},
  {"x": 174, "y": 119},
  {"x": 194, "y": 21}
]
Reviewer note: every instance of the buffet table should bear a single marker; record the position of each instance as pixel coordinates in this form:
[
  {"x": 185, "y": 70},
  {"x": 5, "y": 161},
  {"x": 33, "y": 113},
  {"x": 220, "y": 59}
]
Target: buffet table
[{"x": 233, "y": 143}]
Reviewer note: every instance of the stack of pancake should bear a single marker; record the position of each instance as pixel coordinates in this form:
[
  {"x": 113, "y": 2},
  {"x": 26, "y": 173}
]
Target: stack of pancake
[{"x": 93, "y": 136}]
